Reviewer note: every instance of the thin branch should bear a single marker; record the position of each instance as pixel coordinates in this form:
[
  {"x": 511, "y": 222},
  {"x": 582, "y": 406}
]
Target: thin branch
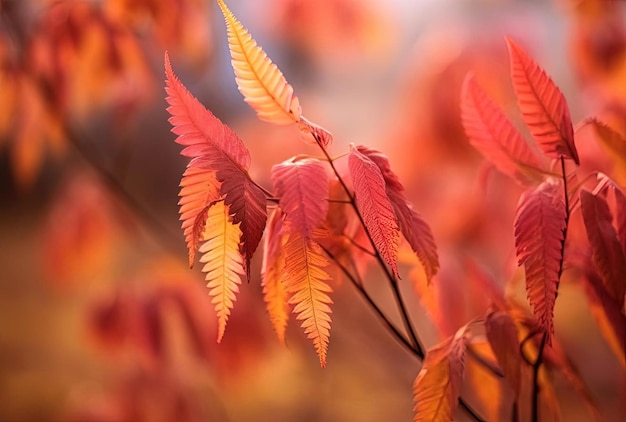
[
  {"x": 361, "y": 248},
  {"x": 483, "y": 362},
  {"x": 536, "y": 365}
]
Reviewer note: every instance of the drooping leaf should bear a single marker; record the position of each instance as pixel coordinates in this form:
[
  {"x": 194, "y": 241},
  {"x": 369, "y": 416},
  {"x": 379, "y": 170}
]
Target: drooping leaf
[
  {"x": 493, "y": 135},
  {"x": 306, "y": 282},
  {"x": 302, "y": 189},
  {"x": 620, "y": 216},
  {"x": 415, "y": 230},
  {"x": 213, "y": 146},
  {"x": 540, "y": 222},
  {"x": 491, "y": 397},
  {"x": 198, "y": 189},
  {"x": 438, "y": 385},
  {"x": 198, "y": 130},
  {"x": 503, "y": 338},
  {"x": 542, "y": 104},
  {"x": 274, "y": 291},
  {"x": 374, "y": 205},
  {"x": 261, "y": 83},
  {"x": 319, "y": 134},
  {"x": 223, "y": 263}
]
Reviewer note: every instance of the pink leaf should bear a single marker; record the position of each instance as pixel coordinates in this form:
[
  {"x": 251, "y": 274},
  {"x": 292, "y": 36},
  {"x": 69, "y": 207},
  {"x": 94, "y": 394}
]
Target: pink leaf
[{"x": 539, "y": 236}]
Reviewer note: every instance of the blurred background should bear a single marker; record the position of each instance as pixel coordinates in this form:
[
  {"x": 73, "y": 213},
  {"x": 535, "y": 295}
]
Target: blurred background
[{"x": 100, "y": 318}]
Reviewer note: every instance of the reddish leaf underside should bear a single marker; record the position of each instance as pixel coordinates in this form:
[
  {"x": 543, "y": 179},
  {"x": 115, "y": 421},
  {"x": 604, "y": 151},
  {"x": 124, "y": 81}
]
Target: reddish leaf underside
[
  {"x": 413, "y": 227},
  {"x": 306, "y": 282},
  {"x": 542, "y": 104},
  {"x": 302, "y": 189},
  {"x": 608, "y": 255},
  {"x": 375, "y": 207},
  {"x": 438, "y": 385},
  {"x": 274, "y": 291},
  {"x": 493, "y": 135},
  {"x": 540, "y": 222}
]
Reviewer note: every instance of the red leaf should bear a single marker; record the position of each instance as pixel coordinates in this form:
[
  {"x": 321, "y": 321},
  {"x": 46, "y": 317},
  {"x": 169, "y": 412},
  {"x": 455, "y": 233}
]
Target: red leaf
[
  {"x": 374, "y": 205},
  {"x": 543, "y": 105},
  {"x": 198, "y": 189},
  {"x": 620, "y": 216},
  {"x": 493, "y": 135},
  {"x": 302, "y": 189},
  {"x": 438, "y": 385},
  {"x": 608, "y": 255},
  {"x": 415, "y": 230},
  {"x": 197, "y": 128},
  {"x": 321, "y": 135},
  {"x": 539, "y": 236},
  {"x": 213, "y": 146}
]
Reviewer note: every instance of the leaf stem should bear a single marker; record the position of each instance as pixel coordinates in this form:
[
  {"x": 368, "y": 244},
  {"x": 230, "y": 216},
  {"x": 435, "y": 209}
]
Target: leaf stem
[{"x": 536, "y": 365}]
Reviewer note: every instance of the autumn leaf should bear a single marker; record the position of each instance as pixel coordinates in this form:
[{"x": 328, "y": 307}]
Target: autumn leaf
[
  {"x": 437, "y": 387},
  {"x": 261, "y": 83},
  {"x": 213, "y": 146},
  {"x": 223, "y": 264},
  {"x": 493, "y": 135},
  {"x": 375, "y": 207},
  {"x": 274, "y": 291},
  {"x": 321, "y": 135},
  {"x": 302, "y": 189},
  {"x": 608, "y": 255},
  {"x": 540, "y": 223},
  {"x": 198, "y": 189},
  {"x": 413, "y": 227},
  {"x": 614, "y": 141},
  {"x": 306, "y": 281},
  {"x": 543, "y": 105},
  {"x": 502, "y": 335},
  {"x": 608, "y": 315}
]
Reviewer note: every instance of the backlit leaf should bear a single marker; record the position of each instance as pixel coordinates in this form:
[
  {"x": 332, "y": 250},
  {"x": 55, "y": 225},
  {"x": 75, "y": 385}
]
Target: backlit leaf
[
  {"x": 438, "y": 385},
  {"x": 198, "y": 189},
  {"x": 612, "y": 139},
  {"x": 608, "y": 255},
  {"x": 543, "y": 105},
  {"x": 274, "y": 291},
  {"x": 415, "y": 230},
  {"x": 540, "y": 222},
  {"x": 223, "y": 263},
  {"x": 374, "y": 205},
  {"x": 306, "y": 281},
  {"x": 302, "y": 189},
  {"x": 493, "y": 135},
  {"x": 261, "y": 83}
]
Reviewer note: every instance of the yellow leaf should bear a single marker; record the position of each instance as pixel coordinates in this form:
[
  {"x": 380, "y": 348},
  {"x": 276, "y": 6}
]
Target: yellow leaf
[
  {"x": 274, "y": 292},
  {"x": 223, "y": 262},
  {"x": 261, "y": 83},
  {"x": 305, "y": 280}
]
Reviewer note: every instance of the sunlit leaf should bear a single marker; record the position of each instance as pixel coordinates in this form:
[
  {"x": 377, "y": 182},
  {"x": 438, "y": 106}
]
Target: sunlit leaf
[
  {"x": 261, "y": 83},
  {"x": 543, "y": 106}
]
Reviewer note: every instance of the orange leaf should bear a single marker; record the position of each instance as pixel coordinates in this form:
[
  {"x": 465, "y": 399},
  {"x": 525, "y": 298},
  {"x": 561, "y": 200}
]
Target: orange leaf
[
  {"x": 306, "y": 281},
  {"x": 493, "y": 135},
  {"x": 539, "y": 236},
  {"x": 438, "y": 385},
  {"x": 223, "y": 262},
  {"x": 274, "y": 292},
  {"x": 612, "y": 139},
  {"x": 261, "y": 83},
  {"x": 502, "y": 336},
  {"x": 302, "y": 189},
  {"x": 198, "y": 189},
  {"x": 543, "y": 105},
  {"x": 374, "y": 205}
]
